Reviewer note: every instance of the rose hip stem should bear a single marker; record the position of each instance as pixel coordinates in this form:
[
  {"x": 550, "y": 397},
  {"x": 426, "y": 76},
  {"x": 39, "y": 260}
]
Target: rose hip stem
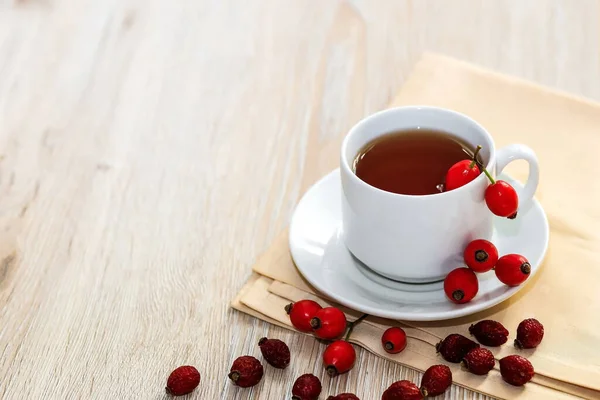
[
  {"x": 485, "y": 171},
  {"x": 351, "y": 325},
  {"x": 475, "y": 157}
]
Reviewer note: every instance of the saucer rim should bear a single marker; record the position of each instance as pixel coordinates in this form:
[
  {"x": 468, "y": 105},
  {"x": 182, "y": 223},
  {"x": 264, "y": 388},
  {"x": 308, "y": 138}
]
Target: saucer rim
[{"x": 461, "y": 310}]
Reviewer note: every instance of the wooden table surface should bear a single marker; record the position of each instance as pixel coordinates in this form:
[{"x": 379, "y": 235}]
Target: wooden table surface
[{"x": 151, "y": 150}]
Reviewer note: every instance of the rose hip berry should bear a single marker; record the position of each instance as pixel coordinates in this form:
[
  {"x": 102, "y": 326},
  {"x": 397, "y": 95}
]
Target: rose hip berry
[
  {"x": 339, "y": 357},
  {"x": 306, "y": 387},
  {"x": 246, "y": 371},
  {"x": 481, "y": 255},
  {"x": 479, "y": 361},
  {"x": 454, "y": 347},
  {"x": 512, "y": 269},
  {"x": 502, "y": 200},
  {"x": 516, "y": 370},
  {"x": 276, "y": 352},
  {"x": 329, "y": 323},
  {"x": 183, "y": 380},
  {"x": 460, "y": 174},
  {"x": 461, "y": 285},
  {"x": 402, "y": 390},
  {"x": 393, "y": 340},
  {"x": 344, "y": 396},
  {"x": 529, "y": 334},
  {"x": 489, "y": 333},
  {"x": 436, "y": 380},
  {"x": 301, "y": 312}
]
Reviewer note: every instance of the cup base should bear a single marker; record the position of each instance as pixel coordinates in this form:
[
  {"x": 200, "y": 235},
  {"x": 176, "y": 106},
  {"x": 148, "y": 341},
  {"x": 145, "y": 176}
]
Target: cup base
[{"x": 379, "y": 277}]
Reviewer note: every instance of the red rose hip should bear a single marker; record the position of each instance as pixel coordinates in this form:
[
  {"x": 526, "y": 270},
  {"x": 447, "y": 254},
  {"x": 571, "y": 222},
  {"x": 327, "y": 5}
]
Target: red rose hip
[
  {"x": 461, "y": 285},
  {"x": 301, "y": 312},
  {"x": 460, "y": 174},
  {"x": 529, "y": 334},
  {"x": 402, "y": 390},
  {"x": 502, "y": 200},
  {"x": 329, "y": 323},
  {"x": 516, "y": 370},
  {"x": 276, "y": 352},
  {"x": 393, "y": 340},
  {"x": 183, "y": 380},
  {"x": 436, "y": 380},
  {"x": 306, "y": 387},
  {"x": 339, "y": 357},
  {"x": 481, "y": 255},
  {"x": 512, "y": 269},
  {"x": 246, "y": 371},
  {"x": 479, "y": 361}
]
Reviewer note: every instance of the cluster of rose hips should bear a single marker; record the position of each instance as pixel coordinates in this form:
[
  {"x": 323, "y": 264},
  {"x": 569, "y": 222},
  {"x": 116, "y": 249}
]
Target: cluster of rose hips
[
  {"x": 515, "y": 370},
  {"x": 456, "y": 348},
  {"x": 461, "y": 284},
  {"x": 339, "y": 357},
  {"x": 329, "y": 323},
  {"x": 500, "y": 197}
]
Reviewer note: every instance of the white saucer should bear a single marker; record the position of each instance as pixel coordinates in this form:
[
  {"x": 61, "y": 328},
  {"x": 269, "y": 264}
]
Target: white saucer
[{"x": 322, "y": 258}]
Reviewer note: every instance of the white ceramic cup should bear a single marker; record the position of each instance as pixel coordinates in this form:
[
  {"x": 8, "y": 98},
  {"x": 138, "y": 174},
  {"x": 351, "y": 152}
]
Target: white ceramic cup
[{"x": 421, "y": 238}]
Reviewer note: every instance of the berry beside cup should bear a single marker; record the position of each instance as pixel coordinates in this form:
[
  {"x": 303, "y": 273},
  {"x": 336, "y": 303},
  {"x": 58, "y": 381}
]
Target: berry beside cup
[
  {"x": 480, "y": 255},
  {"x": 500, "y": 197},
  {"x": 462, "y": 284}
]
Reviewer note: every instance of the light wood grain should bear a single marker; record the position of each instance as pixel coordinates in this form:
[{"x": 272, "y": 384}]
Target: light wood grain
[{"x": 150, "y": 151}]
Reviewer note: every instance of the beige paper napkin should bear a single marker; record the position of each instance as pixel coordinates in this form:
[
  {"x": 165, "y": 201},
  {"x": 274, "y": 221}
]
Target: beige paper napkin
[
  {"x": 565, "y": 132},
  {"x": 261, "y": 297},
  {"x": 287, "y": 293}
]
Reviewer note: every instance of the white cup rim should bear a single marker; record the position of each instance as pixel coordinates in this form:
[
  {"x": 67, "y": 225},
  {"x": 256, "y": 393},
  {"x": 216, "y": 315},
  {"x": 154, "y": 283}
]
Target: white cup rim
[{"x": 345, "y": 164}]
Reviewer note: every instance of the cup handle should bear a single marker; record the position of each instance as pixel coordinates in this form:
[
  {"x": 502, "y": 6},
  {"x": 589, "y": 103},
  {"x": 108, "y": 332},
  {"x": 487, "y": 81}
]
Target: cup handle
[{"x": 520, "y": 152}]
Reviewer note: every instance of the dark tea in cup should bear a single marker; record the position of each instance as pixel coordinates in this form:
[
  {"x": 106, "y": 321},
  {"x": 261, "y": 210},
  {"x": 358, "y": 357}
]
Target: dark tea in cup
[{"x": 411, "y": 162}]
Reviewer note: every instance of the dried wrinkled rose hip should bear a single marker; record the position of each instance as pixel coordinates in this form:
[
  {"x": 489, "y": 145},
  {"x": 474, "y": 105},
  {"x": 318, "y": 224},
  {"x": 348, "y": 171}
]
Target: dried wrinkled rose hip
[
  {"x": 402, "y": 390},
  {"x": 516, "y": 370},
  {"x": 529, "y": 334},
  {"x": 479, "y": 361},
  {"x": 455, "y": 347},
  {"x": 306, "y": 387},
  {"x": 344, "y": 396},
  {"x": 183, "y": 380},
  {"x": 489, "y": 333},
  {"x": 246, "y": 371},
  {"x": 276, "y": 352},
  {"x": 436, "y": 380}
]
